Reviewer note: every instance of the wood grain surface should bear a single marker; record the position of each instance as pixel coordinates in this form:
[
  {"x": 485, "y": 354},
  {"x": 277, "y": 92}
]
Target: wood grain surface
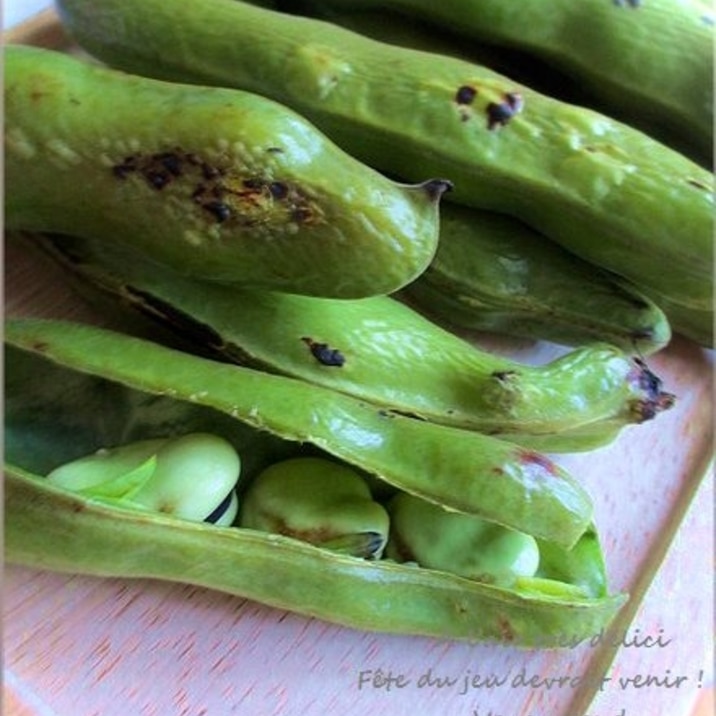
[{"x": 82, "y": 646}]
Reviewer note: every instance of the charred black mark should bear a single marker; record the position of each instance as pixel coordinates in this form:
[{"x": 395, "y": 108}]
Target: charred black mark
[
  {"x": 278, "y": 190},
  {"x": 158, "y": 170},
  {"x": 500, "y": 114},
  {"x": 655, "y": 400},
  {"x": 210, "y": 199},
  {"x": 324, "y": 354},
  {"x": 301, "y": 214},
  {"x": 254, "y": 183},
  {"x": 126, "y": 167},
  {"x": 224, "y": 197},
  {"x": 627, "y": 3},
  {"x": 171, "y": 162},
  {"x": 275, "y": 150},
  {"x": 465, "y": 94},
  {"x": 157, "y": 180},
  {"x": 221, "y": 211},
  {"x": 648, "y": 409},
  {"x": 648, "y": 381},
  {"x": 209, "y": 172},
  {"x": 504, "y": 375}
]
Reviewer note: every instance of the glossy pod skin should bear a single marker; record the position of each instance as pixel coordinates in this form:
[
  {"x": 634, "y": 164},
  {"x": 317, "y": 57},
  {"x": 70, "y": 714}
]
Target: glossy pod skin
[
  {"x": 463, "y": 470},
  {"x": 382, "y": 351},
  {"x": 50, "y": 527},
  {"x": 493, "y": 273},
  {"x": 216, "y": 183},
  {"x": 649, "y": 64},
  {"x": 605, "y": 191}
]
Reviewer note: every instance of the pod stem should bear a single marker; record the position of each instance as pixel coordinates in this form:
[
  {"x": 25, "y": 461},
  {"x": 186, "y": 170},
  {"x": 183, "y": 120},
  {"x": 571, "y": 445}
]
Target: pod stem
[
  {"x": 653, "y": 400},
  {"x": 435, "y": 188}
]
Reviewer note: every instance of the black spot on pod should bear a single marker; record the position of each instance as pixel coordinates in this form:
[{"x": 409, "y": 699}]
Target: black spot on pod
[
  {"x": 220, "y": 210},
  {"x": 157, "y": 179},
  {"x": 301, "y": 214},
  {"x": 128, "y": 165},
  {"x": 504, "y": 375},
  {"x": 653, "y": 400},
  {"x": 278, "y": 190},
  {"x": 253, "y": 183},
  {"x": 324, "y": 354},
  {"x": 500, "y": 114},
  {"x": 465, "y": 94},
  {"x": 171, "y": 162}
]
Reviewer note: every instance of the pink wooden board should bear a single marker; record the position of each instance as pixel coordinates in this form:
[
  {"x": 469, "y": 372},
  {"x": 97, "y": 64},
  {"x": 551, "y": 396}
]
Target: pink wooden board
[{"x": 85, "y": 646}]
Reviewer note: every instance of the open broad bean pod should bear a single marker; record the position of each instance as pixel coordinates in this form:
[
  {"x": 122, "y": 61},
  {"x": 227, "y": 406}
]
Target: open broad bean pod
[{"x": 104, "y": 388}]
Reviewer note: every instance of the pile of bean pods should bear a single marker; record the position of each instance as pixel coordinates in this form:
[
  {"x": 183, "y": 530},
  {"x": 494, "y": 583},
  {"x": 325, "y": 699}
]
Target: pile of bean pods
[{"x": 312, "y": 197}]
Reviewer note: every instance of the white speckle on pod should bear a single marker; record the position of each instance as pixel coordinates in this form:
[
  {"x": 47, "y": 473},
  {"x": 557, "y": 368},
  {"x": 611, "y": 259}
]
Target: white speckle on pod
[
  {"x": 18, "y": 143},
  {"x": 59, "y": 150}
]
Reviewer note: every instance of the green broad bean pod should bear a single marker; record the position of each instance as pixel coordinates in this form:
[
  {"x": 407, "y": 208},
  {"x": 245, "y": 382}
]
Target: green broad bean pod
[
  {"x": 602, "y": 189},
  {"x": 493, "y": 273},
  {"x": 463, "y": 470},
  {"x": 380, "y": 350},
  {"x": 50, "y": 528},
  {"x": 648, "y": 64},
  {"x": 214, "y": 182},
  {"x": 54, "y": 389}
]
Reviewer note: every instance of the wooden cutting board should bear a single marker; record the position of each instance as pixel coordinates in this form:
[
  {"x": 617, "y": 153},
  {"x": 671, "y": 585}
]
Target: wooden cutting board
[{"x": 88, "y": 646}]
